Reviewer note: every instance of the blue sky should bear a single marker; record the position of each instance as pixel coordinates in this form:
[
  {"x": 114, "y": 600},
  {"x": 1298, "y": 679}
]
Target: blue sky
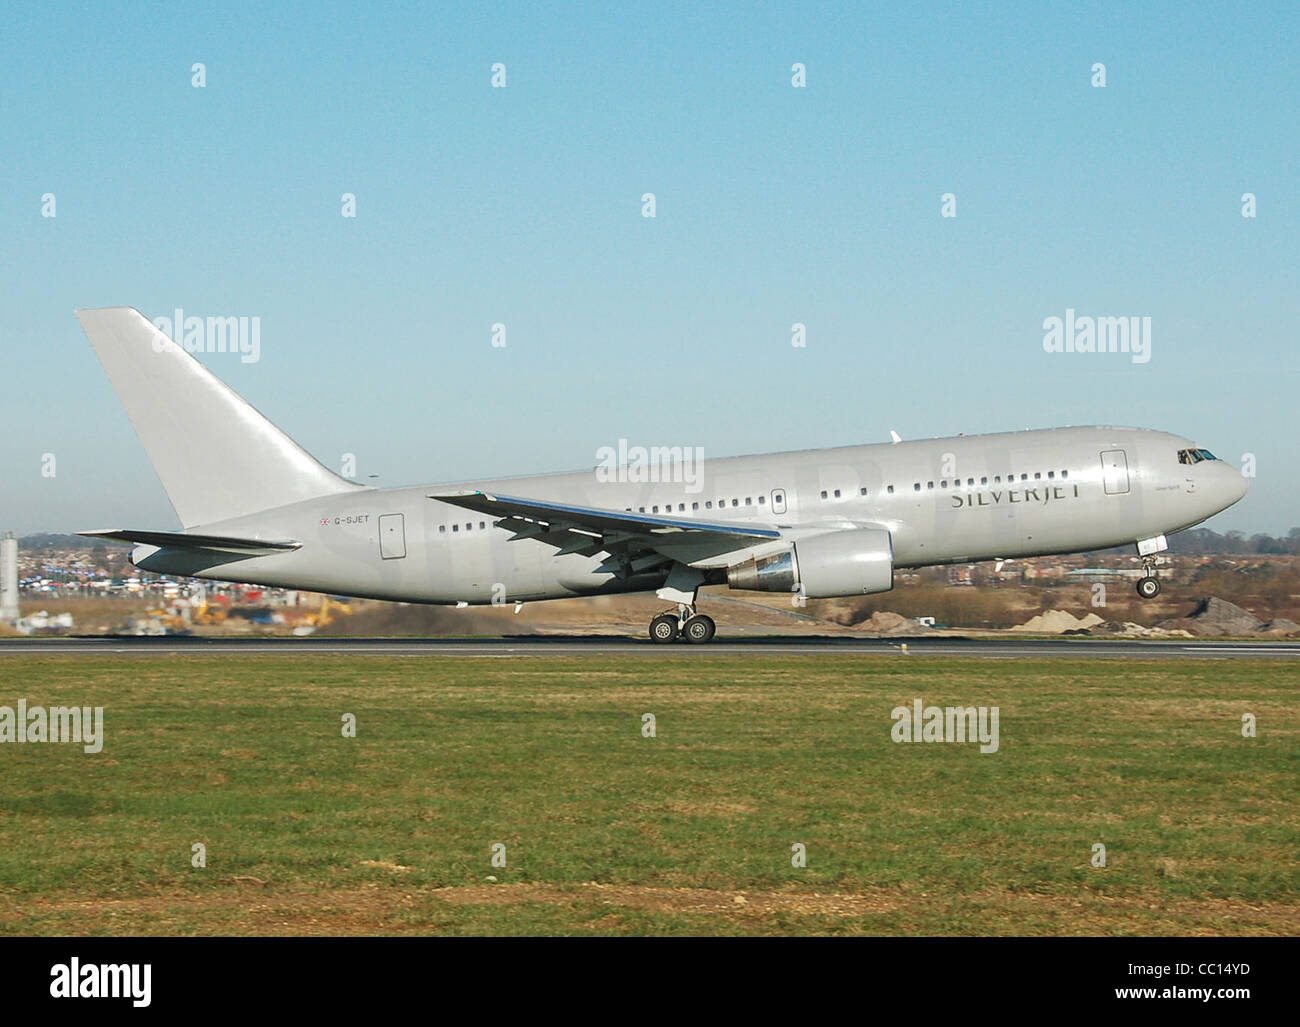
[{"x": 522, "y": 205}]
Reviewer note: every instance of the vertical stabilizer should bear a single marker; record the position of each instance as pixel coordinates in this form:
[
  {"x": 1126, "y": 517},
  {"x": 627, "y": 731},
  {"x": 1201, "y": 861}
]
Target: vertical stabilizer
[{"x": 216, "y": 456}]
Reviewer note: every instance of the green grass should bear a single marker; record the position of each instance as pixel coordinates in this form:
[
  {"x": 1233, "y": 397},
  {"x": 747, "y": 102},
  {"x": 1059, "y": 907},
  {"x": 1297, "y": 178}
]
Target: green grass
[{"x": 610, "y": 832}]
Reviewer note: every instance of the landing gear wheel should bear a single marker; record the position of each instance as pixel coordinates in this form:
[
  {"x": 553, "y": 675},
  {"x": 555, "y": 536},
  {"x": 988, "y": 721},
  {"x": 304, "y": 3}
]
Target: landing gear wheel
[
  {"x": 1148, "y": 588},
  {"x": 663, "y": 628},
  {"x": 699, "y": 629}
]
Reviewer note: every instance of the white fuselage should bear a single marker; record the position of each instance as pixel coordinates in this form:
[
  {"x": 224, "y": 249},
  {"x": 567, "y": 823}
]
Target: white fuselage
[{"x": 967, "y": 498}]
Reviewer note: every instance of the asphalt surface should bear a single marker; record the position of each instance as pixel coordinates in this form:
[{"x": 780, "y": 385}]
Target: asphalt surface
[{"x": 568, "y": 645}]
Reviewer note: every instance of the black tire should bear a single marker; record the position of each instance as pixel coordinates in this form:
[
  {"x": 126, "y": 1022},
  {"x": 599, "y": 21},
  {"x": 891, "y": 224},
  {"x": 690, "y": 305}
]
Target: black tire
[
  {"x": 663, "y": 629},
  {"x": 1148, "y": 588},
  {"x": 699, "y": 629}
]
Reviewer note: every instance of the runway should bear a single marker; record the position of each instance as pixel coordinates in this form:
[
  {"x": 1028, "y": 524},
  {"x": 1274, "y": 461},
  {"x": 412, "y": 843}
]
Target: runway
[{"x": 571, "y": 645}]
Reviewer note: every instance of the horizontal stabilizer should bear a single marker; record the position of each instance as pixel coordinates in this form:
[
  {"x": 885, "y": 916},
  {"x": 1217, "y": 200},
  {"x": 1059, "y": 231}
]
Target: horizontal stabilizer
[{"x": 190, "y": 540}]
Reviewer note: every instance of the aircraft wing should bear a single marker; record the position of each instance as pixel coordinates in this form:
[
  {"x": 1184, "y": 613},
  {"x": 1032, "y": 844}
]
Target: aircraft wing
[{"x": 623, "y": 534}]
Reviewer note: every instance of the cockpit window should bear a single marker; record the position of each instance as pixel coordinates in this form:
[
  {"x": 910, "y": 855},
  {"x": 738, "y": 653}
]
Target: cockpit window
[{"x": 1194, "y": 456}]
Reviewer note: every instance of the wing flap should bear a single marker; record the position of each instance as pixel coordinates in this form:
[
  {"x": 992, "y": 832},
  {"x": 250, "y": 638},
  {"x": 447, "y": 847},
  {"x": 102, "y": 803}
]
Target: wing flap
[
  {"x": 602, "y": 521},
  {"x": 624, "y": 535}
]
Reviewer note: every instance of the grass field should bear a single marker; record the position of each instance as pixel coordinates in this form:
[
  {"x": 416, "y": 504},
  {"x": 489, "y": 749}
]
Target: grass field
[{"x": 688, "y": 832}]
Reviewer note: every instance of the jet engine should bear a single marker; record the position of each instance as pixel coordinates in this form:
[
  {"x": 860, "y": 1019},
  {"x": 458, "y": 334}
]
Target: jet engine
[{"x": 840, "y": 563}]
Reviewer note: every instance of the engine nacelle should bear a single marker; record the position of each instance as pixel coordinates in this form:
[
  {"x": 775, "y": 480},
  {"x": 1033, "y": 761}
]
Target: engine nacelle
[{"x": 841, "y": 563}]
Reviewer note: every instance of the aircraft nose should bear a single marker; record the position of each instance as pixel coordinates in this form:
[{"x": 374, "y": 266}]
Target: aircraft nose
[
  {"x": 1242, "y": 486},
  {"x": 1233, "y": 486}
]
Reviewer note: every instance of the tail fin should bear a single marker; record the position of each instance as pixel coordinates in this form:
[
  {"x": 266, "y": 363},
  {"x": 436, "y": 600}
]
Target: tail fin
[{"x": 216, "y": 456}]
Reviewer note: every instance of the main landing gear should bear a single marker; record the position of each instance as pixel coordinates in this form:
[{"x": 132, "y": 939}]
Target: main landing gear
[
  {"x": 685, "y": 624},
  {"x": 1148, "y": 586},
  {"x": 681, "y": 587}
]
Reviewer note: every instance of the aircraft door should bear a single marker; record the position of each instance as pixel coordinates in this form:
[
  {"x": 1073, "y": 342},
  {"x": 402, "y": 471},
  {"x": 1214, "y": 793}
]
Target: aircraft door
[
  {"x": 778, "y": 501},
  {"x": 1114, "y": 472},
  {"x": 392, "y": 536}
]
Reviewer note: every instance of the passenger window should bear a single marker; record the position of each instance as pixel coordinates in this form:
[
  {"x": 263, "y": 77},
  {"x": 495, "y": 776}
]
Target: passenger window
[
  {"x": 442, "y": 528},
  {"x": 862, "y": 492},
  {"x": 1037, "y": 475},
  {"x": 695, "y": 506},
  {"x": 984, "y": 481},
  {"x": 823, "y": 493},
  {"x": 997, "y": 479},
  {"x": 749, "y": 500},
  {"x": 890, "y": 490},
  {"x": 735, "y": 502},
  {"x": 916, "y": 486},
  {"x": 929, "y": 484},
  {"x": 1065, "y": 474},
  {"x": 837, "y": 493},
  {"x": 708, "y": 505},
  {"x": 761, "y": 500},
  {"x": 1051, "y": 474},
  {"x": 943, "y": 484},
  {"x": 455, "y": 527}
]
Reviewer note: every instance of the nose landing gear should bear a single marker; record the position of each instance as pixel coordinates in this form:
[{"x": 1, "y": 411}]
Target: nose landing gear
[{"x": 1148, "y": 586}]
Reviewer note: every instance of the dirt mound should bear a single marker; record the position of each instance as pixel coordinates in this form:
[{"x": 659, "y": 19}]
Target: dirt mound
[
  {"x": 1130, "y": 629},
  {"x": 1218, "y": 617},
  {"x": 402, "y": 619},
  {"x": 1057, "y": 622},
  {"x": 1280, "y": 626},
  {"x": 885, "y": 623}
]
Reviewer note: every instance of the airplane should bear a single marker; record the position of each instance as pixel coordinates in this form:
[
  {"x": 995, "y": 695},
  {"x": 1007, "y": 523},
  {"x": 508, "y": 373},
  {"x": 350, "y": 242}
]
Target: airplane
[{"x": 257, "y": 508}]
